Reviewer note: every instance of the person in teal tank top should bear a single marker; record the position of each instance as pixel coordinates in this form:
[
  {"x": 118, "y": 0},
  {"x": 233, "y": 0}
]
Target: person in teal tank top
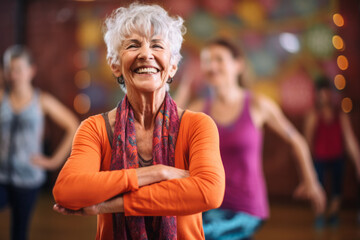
[
  {"x": 240, "y": 117},
  {"x": 22, "y": 164}
]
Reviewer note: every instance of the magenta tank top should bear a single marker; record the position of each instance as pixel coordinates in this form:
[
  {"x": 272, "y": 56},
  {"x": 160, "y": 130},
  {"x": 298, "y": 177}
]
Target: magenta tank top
[
  {"x": 328, "y": 140},
  {"x": 241, "y": 153}
]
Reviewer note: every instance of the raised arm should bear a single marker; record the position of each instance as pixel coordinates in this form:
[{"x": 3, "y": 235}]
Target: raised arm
[
  {"x": 351, "y": 143},
  {"x": 309, "y": 186}
]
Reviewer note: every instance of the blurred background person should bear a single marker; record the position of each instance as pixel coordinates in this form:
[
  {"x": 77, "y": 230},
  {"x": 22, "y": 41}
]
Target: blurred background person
[
  {"x": 330, "y": 135},
  {"x": 22, "y": 164},
  {"x": 240, "y": 116}
]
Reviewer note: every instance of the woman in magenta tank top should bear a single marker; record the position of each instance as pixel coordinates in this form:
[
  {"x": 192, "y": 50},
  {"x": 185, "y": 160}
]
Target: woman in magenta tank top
[
  {"x": 240, "y": 117},
  {"x": 329, "y": 133}
]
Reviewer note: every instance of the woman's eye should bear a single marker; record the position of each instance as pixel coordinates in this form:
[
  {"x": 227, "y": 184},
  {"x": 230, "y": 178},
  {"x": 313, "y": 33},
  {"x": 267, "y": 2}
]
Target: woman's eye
[
  {"x": 131, "y": 46},
  {"x": 157, "y": 46}
]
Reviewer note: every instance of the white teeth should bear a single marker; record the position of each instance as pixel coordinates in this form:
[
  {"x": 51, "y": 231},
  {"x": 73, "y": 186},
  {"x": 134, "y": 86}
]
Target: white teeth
[{"x": 146, "y": 70}]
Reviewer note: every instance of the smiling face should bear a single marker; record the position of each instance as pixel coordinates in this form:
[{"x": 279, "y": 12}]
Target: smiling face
[
  {"x": 144, "y": 63},
  {"x": 219, "y": 65}
]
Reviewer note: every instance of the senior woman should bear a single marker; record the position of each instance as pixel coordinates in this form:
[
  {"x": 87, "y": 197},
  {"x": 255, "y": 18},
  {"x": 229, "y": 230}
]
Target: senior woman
[{"x": 147, "y": 168}]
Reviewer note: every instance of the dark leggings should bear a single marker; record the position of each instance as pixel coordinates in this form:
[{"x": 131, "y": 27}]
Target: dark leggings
[
  {"x": 21, "y": 202},
  {"x": 336, "y": 168}
]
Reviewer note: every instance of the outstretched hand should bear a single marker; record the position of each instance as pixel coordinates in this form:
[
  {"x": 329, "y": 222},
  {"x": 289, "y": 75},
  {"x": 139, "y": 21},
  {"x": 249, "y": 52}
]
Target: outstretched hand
[{"x": 313, "y": 192}]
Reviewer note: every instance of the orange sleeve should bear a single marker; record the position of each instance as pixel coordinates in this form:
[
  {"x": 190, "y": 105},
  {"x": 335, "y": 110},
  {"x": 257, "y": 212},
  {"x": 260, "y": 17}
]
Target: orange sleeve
[
  {"x": 203, "y": 190},
  {"x": 80, "y": 182}
]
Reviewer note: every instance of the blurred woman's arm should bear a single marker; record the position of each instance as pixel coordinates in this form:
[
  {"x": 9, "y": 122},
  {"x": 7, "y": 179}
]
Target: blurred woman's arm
[
  {"x": 309, "y": 186},
  {"x": 63, "y": 117},
  {"x": 351, "y": 143}
]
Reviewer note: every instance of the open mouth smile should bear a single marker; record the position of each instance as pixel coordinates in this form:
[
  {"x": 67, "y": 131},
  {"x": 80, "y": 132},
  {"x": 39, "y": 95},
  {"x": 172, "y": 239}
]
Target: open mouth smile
[{"x": 146, "y": 70}]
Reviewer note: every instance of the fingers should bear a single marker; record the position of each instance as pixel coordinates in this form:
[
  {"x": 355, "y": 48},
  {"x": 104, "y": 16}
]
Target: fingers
[{"x": 65, "y": 211}]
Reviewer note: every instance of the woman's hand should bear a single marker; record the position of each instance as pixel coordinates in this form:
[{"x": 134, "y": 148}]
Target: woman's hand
[
  {"x": 173, "y": 173},
  {"x": 87, "y": 211},
  {"x": 114, "y": 205},
  {"x": 157, "y": 173},
  {"x": 313, "y": 192}
]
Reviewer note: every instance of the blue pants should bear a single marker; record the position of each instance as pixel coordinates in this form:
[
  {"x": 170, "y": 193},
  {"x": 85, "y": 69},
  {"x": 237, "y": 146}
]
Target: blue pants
[
  {"x": 21, "y": 202},
  {"x": 336, "y": 168},
  {"x": 221, "y": 224}
]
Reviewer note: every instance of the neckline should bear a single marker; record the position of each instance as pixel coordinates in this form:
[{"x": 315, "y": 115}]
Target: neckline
[
  {"x": 240, "y": 114},
  {"x": 110, "y": 132},
  {"x": 25, "y": 108}
]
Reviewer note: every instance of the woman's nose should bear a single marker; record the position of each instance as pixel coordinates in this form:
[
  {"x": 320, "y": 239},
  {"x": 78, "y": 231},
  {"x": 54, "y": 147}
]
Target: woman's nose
[{"x": 145, "y": 53}]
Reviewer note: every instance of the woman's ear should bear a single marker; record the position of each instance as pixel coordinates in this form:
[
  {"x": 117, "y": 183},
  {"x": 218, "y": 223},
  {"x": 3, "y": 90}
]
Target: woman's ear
[
  {"x": 33, "y": 71},
  {"x": 115, "y": 68},
  {"x": 240, "y": 64},
  {"x": 173, "y": 69}
]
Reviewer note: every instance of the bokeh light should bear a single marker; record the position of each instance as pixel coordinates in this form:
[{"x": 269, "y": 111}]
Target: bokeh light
[
  {"x": 318, "y": 40},
  {"x": 338, "y": 42},
  {"x": 88, "y": 34},
  {"x": 342, "y": 62},
  {"x": 346, "y": 105},
  {"x": 82, "y": 103},
  {"x": 339, "y": 82},
  {"x": 338, "y": 19},
  {"x": 252, "y": 12},
  {"x": 289, "y": 42},
  {"x": 82, "y": 79}
]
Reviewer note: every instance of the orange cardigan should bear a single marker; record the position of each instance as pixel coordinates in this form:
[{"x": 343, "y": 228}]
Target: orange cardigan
[{"x": 85, "y": 179}]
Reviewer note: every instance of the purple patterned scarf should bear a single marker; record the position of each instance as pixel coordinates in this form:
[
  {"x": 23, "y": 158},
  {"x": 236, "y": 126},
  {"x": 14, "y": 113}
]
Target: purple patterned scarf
[{"x": 125, "y": 156}]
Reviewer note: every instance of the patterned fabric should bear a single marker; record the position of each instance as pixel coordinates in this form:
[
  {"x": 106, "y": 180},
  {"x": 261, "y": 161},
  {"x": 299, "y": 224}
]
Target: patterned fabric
[
  {"x": 125, "y": 156},
  {"x": 21, "y": 137}
]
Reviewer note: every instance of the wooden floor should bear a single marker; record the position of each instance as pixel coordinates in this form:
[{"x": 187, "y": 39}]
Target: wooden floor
[{"x": 289, "y": 221}]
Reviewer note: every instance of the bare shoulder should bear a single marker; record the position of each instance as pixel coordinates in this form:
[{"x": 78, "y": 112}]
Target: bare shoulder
[
  {"x": 262, "y": 104},
  {"x": 311, "y": 114},
  {"x": 47, "y": 100},
  {"x": 197, "y": 105},
  {"x": 344, "y": 118},
  {"x": 45, "y": 97},
  {"x": 263, "y": 101}
]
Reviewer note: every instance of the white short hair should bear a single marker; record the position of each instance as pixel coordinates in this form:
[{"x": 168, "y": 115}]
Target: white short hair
[{"x": 142, "y": 18}]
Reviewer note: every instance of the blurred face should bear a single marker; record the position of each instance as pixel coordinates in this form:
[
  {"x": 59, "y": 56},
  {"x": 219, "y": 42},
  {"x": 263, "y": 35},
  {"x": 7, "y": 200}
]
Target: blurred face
[
  {"x": 219, "y": 66},
  {"x": 145, "y": 63},
  {"x": 20, "y": 72},
  {"x": 324, "y": 97}
]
